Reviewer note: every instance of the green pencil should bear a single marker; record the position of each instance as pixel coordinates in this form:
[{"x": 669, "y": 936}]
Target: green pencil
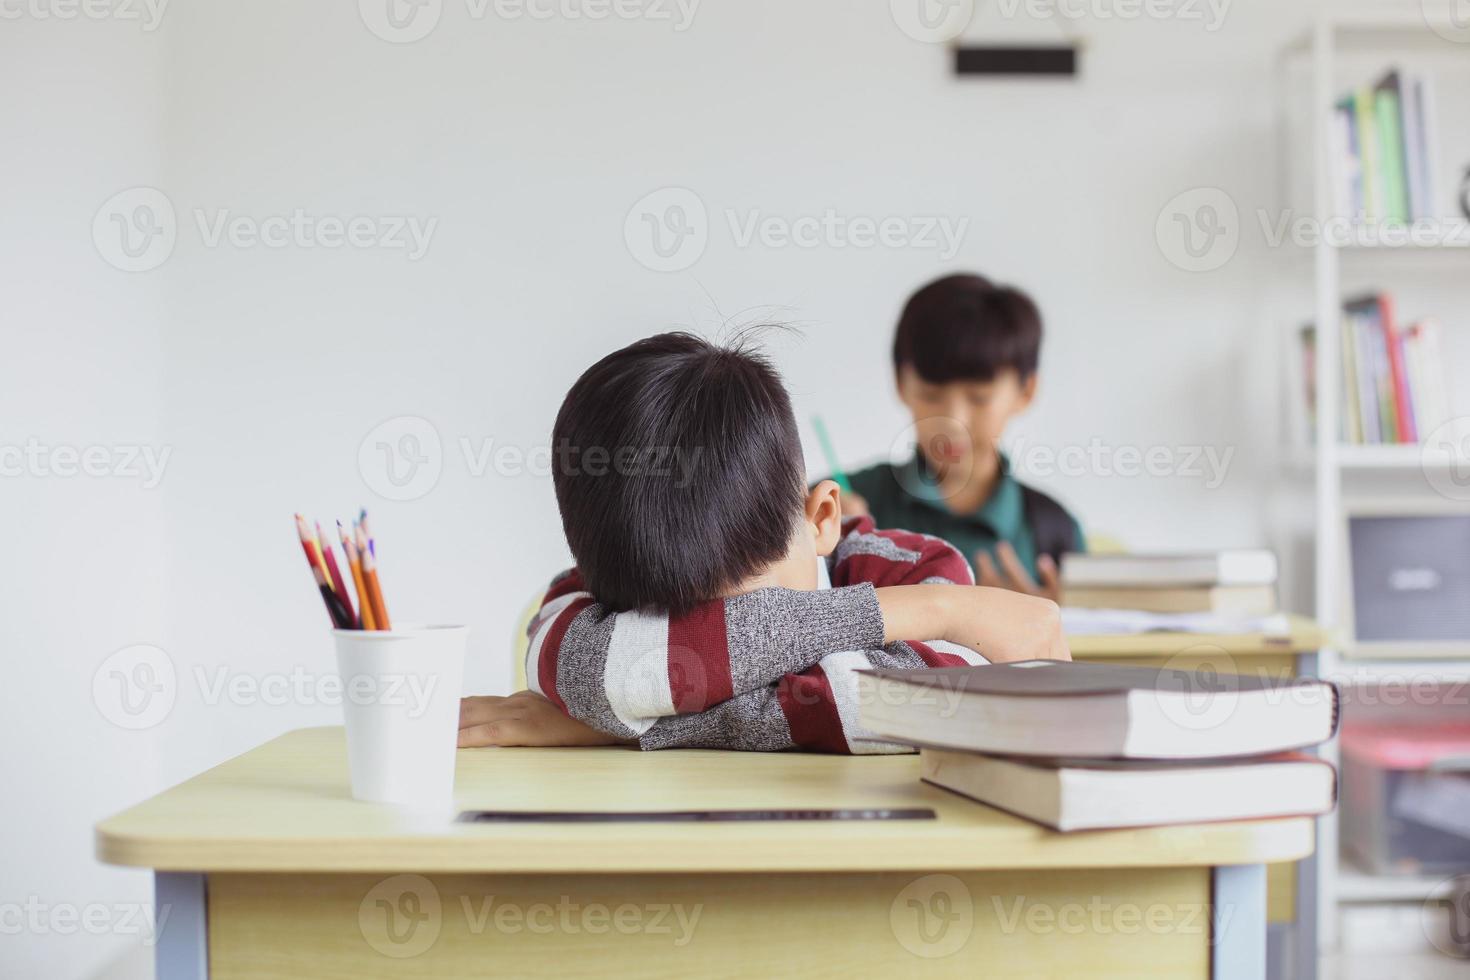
[{"x": 825, "y": 441}]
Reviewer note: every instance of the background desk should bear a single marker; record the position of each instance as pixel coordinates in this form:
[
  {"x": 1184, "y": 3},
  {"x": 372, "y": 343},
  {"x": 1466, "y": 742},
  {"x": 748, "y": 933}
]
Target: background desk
[
  {"x": 302, "y": 881},
  {"x": 1292, "y": 887}
]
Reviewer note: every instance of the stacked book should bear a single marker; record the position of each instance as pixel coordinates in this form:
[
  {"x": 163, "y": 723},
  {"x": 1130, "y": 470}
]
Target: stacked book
[
  {"x": 1082, "y": 746},
  {"x": 1394, "y": 386},
  {"x": 1240, "y": 583},
  {"x": 1384, "y": 151}
]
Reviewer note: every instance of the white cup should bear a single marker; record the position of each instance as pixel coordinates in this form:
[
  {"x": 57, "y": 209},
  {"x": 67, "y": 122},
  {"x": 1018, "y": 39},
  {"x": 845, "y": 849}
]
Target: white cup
[{"x": 400, "y": 700}]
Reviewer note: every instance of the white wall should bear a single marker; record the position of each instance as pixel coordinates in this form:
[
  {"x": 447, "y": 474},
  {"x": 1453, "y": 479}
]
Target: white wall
[
  {"x": 84, "y": 556},
  {"x": 264, "y": 369}
]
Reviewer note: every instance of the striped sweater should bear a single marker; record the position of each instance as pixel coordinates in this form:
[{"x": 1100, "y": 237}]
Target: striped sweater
[{"x": 768, "y": 670}]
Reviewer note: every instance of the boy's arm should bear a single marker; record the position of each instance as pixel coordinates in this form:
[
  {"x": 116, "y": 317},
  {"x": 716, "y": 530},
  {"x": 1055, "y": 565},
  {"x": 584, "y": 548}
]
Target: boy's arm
[
  {"x": 620, "y": 672},
  {"x": 630, "y": 674},
  {"x": 815, "y": 710}
]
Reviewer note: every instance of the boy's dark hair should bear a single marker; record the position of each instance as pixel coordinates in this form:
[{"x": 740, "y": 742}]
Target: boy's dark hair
[
  {"x": 678, "y": 470},
  {"x": 966, "y": 328}
]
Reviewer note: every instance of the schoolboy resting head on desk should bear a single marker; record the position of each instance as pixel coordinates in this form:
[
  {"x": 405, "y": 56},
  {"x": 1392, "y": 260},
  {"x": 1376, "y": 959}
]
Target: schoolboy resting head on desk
[
  {"x": 717, "y": 602},
  {"x": 965, "y": 357}
]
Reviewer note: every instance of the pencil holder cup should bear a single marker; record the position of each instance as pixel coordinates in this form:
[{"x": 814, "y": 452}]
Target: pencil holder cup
[{"x": 400, "y": 702}]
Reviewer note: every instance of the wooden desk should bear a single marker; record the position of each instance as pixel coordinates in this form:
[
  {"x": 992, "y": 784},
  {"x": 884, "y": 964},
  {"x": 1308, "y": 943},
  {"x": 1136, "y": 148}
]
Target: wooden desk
[
  {"x": 1291, "y": 887},
  {"x": 269, "y": 869},
  {"x": 1304, "y": 636}
]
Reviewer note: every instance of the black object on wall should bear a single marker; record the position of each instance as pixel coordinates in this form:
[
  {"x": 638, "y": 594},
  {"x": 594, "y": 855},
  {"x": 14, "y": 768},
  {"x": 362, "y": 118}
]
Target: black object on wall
[{"x": 1022, "y": 61}]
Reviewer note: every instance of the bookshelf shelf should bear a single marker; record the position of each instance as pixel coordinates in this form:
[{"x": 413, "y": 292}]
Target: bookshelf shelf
[
  {"x": 1388, "y": 458},
  {"x": 1395, "y": 457},
  {"x": 1424, "y": 47},
  {"x": 1359, "y": 886}
]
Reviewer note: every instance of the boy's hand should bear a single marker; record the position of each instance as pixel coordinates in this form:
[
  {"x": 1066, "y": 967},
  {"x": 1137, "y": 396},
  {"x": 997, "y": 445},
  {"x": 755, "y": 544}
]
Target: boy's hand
[
  {"x": 999, "y": 624},
  {"x": 526, "y": 719},
  {"x": 854, "y": 505},
  {"x": 1012, "y": 574}
]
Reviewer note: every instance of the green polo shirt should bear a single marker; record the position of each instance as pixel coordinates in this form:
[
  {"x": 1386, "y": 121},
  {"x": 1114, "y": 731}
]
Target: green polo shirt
[{"x": 906, "y": 496}]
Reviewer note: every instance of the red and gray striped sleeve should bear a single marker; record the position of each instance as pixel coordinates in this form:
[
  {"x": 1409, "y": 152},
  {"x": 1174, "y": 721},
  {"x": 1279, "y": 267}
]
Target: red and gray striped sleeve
[
  {"x": 820, "y": 704},
  {"x": 621, "y": 672},
  {"x": 770, "y": 670}
]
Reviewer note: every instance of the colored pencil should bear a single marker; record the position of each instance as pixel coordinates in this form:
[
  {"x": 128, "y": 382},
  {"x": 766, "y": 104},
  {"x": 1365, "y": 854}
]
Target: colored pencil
[
  {"x": 349, "y": 548},
  {"x": 372, "y": 543},
  {"x": 839, "y": 475},
  {"x": 324, "y": 545},
  {"x": 370, "y": 578},
  {"x": 341, "y": 619}
]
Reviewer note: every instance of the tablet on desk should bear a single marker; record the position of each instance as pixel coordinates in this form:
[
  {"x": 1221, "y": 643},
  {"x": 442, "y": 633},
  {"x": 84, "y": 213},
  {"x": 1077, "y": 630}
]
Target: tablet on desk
[{"x": 687, "y": 816}]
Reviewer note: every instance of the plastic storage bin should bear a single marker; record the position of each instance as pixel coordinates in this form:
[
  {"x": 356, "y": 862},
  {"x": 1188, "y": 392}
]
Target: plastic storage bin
[{"x": 1406, "y": 797}]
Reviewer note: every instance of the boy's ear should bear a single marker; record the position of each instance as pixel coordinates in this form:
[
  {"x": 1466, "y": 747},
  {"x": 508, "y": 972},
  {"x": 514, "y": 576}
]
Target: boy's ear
[
  {"x": 1028, "y": 392},
  {"x": 824, "y": 516}
]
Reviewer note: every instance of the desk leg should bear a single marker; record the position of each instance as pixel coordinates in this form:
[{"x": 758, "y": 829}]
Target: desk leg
[
  {"x": 182, "y": 950},
  {"x": 1238, "y": 922}
]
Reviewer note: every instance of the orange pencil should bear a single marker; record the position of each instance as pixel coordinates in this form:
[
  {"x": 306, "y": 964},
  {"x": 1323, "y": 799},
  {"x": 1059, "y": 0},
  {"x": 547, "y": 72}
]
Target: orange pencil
[
  {"x": 354, "y": 564},
  {"x": 370, "y": 577}
]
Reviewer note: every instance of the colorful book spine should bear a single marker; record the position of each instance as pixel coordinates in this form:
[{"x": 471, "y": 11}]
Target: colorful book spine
[
  {"x": 1384, "y": 151},
  {"x": 1403, "y": 414},
  {"x": 1368, "y": 153},
  {"x": 1387, "y": 116}
]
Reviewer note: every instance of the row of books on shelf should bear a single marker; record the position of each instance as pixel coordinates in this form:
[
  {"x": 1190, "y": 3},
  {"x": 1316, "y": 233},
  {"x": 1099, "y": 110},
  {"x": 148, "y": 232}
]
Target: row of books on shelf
[
  {"x": 1384, "y": 150},
  {"x": 1394, "y": 384}
]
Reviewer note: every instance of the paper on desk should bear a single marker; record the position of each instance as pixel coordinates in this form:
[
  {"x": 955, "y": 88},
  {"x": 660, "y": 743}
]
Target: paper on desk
[{"x": 1110, "y": 622}]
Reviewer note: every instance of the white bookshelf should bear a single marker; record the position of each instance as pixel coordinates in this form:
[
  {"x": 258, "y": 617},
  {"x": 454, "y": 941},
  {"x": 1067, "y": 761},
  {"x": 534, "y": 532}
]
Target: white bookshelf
[{"x": 1405, "y": 37}]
